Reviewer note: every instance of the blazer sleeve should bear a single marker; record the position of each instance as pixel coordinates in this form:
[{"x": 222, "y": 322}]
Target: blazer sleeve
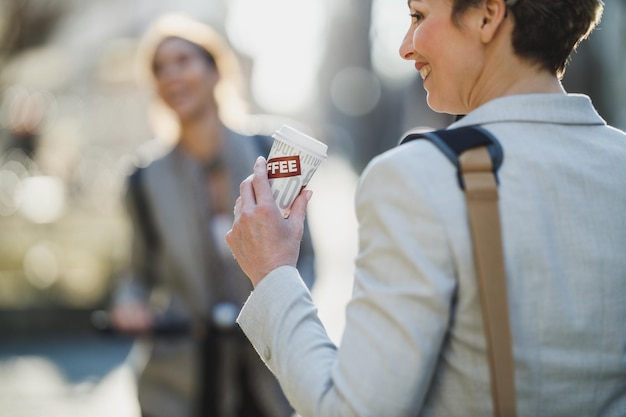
[
  {"x": 396, "y": 321},
  {"x": 141, "y": 273}
]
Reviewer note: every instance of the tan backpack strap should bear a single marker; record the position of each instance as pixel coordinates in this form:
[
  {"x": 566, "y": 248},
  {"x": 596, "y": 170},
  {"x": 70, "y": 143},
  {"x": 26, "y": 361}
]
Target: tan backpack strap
[{"x": 481, "y": 194}]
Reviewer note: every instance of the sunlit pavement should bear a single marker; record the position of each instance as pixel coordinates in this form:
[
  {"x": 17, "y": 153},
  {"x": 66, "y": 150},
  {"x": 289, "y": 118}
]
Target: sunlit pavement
[
  {"x": 88, "y": 376},
  {"x": 66, "y": 377}
]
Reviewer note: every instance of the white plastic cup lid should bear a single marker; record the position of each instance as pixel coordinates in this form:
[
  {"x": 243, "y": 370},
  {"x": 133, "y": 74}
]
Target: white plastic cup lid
[{"x": 300, "y": 140}]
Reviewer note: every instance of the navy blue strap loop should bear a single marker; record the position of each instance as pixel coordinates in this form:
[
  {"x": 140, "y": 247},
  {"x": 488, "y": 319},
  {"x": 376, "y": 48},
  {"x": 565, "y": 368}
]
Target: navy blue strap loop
[{"x": 454, "y": 142}]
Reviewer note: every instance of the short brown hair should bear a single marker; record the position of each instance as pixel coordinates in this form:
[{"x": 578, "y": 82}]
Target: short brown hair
[{"x": 546, "y": 31}]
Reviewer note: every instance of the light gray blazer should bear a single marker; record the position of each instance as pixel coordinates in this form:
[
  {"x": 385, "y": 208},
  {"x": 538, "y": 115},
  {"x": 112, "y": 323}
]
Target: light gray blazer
[
  {"x": 188, "y": 274},
  {"x": 413, "y": 342}
]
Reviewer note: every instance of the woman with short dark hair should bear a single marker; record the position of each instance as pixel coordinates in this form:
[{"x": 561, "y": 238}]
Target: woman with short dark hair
[{"x": 414, "y": 339}]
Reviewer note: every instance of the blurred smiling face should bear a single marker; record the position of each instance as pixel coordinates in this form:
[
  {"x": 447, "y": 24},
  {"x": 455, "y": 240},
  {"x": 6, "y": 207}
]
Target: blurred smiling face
[
  {"x": 185, "y": 79},
  {"x": 445, "y": 54}
]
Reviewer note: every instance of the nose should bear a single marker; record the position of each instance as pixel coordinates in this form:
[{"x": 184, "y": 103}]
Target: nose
[{"x": 406, "y": 48}]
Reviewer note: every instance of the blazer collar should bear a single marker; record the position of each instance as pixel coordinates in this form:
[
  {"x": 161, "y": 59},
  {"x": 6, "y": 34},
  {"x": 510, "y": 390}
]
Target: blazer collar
[{"x": 573, "y": 109}]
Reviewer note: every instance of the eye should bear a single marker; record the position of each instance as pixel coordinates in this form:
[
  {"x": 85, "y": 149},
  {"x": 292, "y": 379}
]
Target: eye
[
  {"x": 157, "y": 69},
  {"x": 416, "y": 17}
]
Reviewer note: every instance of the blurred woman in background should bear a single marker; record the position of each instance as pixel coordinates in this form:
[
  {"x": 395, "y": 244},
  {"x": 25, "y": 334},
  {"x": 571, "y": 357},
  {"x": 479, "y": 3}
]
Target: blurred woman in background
[{"x": 183, "y": 277}]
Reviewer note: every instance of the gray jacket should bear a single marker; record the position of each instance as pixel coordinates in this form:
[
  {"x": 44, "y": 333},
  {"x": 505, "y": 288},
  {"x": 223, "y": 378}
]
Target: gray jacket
[{"x": 413, "y": 342}]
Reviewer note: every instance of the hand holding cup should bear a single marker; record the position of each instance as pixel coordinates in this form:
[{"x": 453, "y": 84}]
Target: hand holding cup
[{"x": 261, "y": 239}]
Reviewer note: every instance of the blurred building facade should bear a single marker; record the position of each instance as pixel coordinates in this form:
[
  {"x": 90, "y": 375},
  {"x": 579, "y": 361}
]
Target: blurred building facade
[{"x": 72, "y": 115}]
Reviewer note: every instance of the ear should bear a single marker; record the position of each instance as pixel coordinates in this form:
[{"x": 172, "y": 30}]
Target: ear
[{"x": 493, "y": 15}]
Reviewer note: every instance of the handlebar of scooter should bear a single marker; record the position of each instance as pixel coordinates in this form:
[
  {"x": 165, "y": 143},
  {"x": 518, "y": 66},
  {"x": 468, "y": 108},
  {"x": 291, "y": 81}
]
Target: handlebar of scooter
[
  {"x": 223, "y": 321},
  {"x": 101, "y": 322}
]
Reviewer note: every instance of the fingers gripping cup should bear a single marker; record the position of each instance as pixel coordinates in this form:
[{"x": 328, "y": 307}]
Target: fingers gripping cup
[{"x": 292, "y": 161}]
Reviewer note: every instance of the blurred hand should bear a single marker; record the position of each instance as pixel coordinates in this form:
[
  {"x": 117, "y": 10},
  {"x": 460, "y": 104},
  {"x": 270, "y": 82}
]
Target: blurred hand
[
  {"x": 261, "y": 239},
  {"x": 132, "y": 317}
]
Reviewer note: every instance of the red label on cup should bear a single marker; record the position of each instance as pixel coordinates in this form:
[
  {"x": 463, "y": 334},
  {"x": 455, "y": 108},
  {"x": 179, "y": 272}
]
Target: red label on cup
[{"x": 285, "y": 166}]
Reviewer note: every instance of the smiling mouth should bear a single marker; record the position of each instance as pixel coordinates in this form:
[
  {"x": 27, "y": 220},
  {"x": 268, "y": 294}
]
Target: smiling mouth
[{"x": 425, "y": 71}]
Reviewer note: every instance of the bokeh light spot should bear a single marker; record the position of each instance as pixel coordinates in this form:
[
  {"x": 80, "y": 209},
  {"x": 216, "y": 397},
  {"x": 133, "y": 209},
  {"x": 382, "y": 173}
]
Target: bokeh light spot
[
  {"x": 42, "y": 199},
  {"x": 355, "y": 91},
  {"x": 41, "y": 265}
]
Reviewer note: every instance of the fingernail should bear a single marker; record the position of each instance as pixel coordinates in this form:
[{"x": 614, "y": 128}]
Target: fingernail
[{"x": 260, "y": 164}]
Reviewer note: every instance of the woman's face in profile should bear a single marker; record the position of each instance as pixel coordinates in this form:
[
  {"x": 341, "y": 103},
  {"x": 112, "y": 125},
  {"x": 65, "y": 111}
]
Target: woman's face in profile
[
  {"x": 447, "y": 56},
  {"x": 185, "y": 80}
]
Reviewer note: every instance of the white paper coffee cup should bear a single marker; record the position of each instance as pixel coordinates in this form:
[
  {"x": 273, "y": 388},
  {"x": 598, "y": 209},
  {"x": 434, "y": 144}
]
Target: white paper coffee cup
[{"x": 291, "y": 163}]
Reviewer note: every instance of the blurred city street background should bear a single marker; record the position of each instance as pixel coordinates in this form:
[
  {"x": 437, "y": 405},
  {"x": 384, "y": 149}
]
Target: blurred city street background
[{"x": 74, "y": 120}]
